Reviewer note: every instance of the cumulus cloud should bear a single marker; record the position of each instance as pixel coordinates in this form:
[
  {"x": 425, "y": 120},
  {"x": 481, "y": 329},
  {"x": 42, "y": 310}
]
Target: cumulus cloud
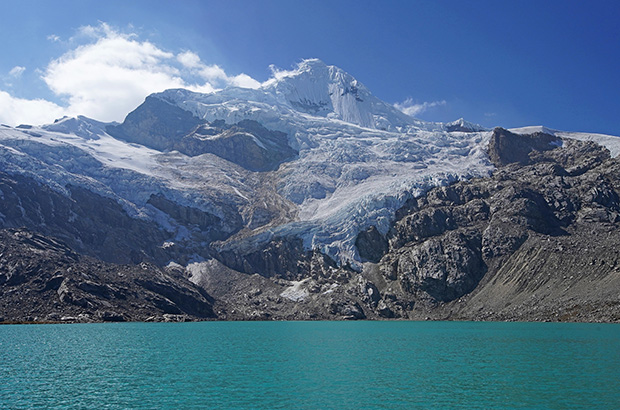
[
  {"x": 214, "y": 74},
  {"x": 17, "y": 71},
  {"x": 189, "y": 59},
  {"x": 411, "y": 108},
  {"x": 14, "y": 111},
  {"x": 110, "y": 74},
  {"x": 110, "y": 77}
]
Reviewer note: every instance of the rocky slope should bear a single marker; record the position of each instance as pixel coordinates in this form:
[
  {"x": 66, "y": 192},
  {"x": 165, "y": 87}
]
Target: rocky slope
[
  {"x": 43, "y": 280},
  {"x": 537, "y": 240}
]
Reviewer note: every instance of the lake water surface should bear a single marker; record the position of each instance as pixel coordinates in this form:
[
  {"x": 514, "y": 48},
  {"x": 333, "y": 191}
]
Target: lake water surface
[{"x": 311, "y": 365}]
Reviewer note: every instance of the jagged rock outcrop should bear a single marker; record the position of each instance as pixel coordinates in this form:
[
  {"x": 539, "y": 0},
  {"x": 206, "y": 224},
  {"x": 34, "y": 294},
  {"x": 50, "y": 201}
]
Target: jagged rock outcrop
[
  {"x": 458, "y": 244},
  {"x": 280, "y": 257},
  {"x": 43, "y": 280},
  {"x": 164, "y": 126},
  {"x": 506, "y": 148},
  {"x": 371, "y": 245},
  {"x": 246, "y": 143}
]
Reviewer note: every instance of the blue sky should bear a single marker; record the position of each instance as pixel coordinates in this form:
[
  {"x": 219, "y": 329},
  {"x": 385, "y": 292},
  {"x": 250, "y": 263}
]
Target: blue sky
[{"x": 507, "y": 63}]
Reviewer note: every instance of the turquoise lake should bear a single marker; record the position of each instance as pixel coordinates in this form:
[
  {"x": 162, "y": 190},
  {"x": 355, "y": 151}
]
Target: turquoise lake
[{"x": 311, "y": 365}]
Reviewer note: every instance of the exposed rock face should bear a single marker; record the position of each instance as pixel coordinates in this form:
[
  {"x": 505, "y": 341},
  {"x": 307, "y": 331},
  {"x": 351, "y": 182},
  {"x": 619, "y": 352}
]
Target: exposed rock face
[
  {"x": 506, "y": 147},
  {"x": 281, "y": 257},
  {"x": 166, "y": 127},
  {"x": 86, "y": 221},
  {"x": 371, "y": 245},
  {"x": 246, "y": 143},
  {"x": 42, "y": 280},
  {"x": 444, "y": 268},
  {"x": 156, "y": 124},
  {"x": 460, "y": 243}
]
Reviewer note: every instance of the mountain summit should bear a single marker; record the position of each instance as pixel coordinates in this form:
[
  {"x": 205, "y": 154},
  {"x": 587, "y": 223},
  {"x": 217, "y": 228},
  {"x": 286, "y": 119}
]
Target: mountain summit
[
  {"x": 311, "y": 90},
  {"x": 318, "y": 89}
]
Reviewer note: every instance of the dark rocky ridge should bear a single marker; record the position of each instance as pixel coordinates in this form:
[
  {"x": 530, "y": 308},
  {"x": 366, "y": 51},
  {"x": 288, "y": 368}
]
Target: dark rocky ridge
[
  {"x": 166, "y": 127},
  {"x": 43, "y": 280}
]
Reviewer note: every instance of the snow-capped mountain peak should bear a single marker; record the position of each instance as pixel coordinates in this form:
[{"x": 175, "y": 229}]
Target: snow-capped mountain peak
[
  {"x": 81, "y": 126},
  {"x": 464, "y": 126},
  {"x": 322, "y": 90},
  {"x": 319, "y": 89}
]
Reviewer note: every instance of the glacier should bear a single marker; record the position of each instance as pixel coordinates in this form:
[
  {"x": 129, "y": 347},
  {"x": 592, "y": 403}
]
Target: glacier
[{"x": 359, "y": 160}]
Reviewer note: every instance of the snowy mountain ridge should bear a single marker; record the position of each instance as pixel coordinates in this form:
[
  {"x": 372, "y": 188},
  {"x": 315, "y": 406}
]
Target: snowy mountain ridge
[
  {"x": 313, "y": 90},
  {"x": 327, "y": 91},
  {"x": 358, "y": 160}
]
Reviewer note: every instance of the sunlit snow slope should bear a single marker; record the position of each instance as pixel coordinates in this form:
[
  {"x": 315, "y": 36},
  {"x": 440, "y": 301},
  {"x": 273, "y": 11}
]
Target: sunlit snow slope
[{"x": 357, "y": 160}]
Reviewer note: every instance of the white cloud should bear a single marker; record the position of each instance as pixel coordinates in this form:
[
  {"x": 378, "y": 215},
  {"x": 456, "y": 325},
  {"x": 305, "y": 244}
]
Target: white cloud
[
  {"x": 214, "y": 74},
  {"x": 110, "y": 74},
  {"x": 189, "y": 59},
  {"x": 413, "y": 109},
  {"x": 53, "y": 38},
  {"x": 17, "y": 71},
  {"x": 109, "y": 78},
  {"x": 14, "y": 111}
]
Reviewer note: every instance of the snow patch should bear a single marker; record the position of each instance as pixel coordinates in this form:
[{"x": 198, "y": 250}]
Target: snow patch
[
  {"x": 196, "y": 271},
  {"x": 296, "y": 292}
]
